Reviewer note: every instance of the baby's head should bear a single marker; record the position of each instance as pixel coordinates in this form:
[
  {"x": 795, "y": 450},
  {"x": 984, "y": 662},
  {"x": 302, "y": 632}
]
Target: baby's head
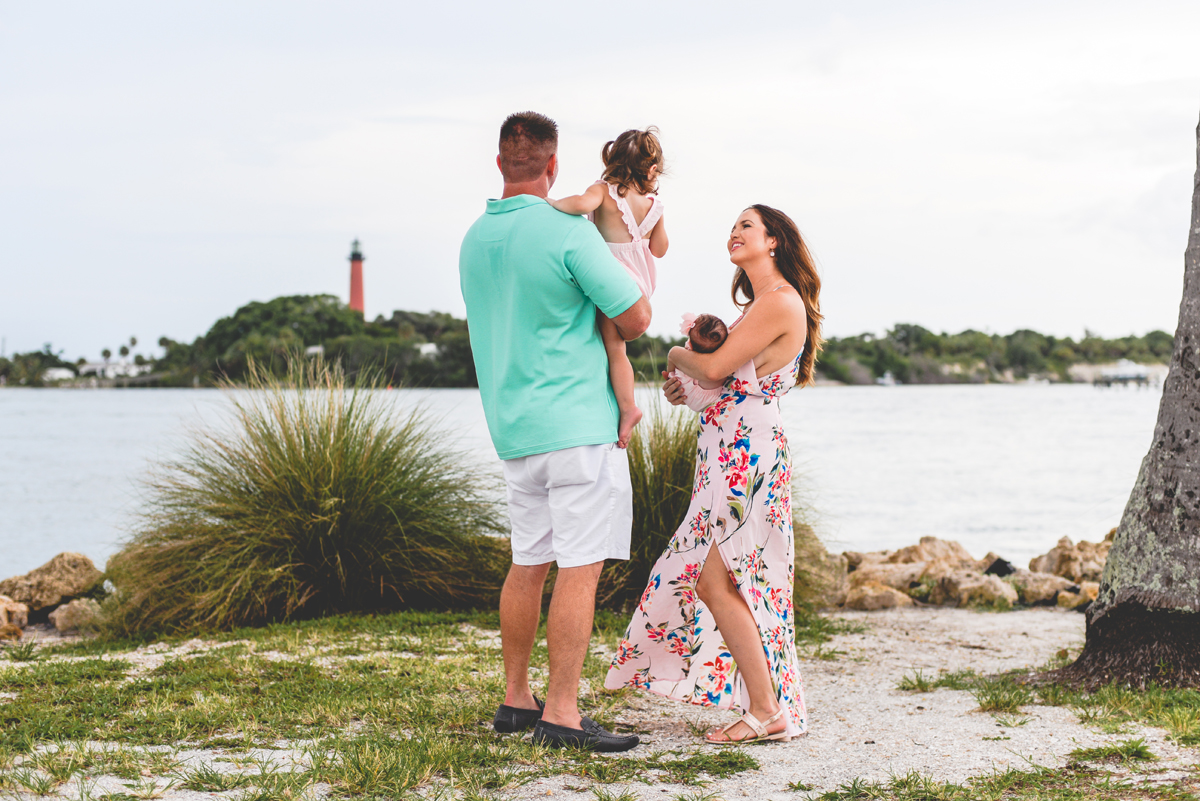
[
  {"x": 707, "y": 333},
  {"x": 634, "y": 160}
]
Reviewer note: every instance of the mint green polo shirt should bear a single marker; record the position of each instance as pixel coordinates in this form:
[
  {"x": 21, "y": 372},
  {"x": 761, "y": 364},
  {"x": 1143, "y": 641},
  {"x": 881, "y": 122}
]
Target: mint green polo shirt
[{"x": 532, "y": 279}]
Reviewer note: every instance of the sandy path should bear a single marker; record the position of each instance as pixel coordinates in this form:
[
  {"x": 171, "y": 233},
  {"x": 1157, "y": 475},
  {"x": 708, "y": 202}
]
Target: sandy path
[{"x": 862, "y": 726}]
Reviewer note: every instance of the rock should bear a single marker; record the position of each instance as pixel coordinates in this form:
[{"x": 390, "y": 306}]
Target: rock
[
  {"x": 11, "y": 612},
  {"x": 1072, "y": 597},
  {"x": 855, "y": 560},
  {"x": 1093, "y": 556},
  {"x": 82, "y": 614},
  {"x": 999, "y": 567},
  {"x": 1082, "y": 562},
  {"x": 1038, "y": 588},
  {"x": 872, "y": 596},
  {"x": 64, "y": 577},
  {"x": 932, "y": 549},
  {"x": 898, "y": 577},
  {"x": 939, "y": 568},
  {"x": 10, "y": 631},
  {"x": 971, "y": 588}
]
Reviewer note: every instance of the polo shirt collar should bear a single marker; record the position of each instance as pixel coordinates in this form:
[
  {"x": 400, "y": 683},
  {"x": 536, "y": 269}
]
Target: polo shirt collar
[{"x": 513, "y": 203}]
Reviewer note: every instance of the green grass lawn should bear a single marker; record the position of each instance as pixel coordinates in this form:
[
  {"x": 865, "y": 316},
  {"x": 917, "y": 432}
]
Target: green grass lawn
[
  {"x": 376, "y": 706},
  {"x": 400, "y": 705}
]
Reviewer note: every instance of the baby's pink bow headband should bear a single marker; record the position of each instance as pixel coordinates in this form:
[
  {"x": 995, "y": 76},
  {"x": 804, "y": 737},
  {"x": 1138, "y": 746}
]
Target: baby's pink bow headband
[{"x": 689, "y": 321}]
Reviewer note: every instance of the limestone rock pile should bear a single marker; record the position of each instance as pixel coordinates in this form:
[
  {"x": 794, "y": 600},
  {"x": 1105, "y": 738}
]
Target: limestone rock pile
[
  {"x": 942, "y": 572},
  {"x": 51, "y": 592},
  {"x": 1079, "y": 562},
  {"x": 64, "y": 577}
]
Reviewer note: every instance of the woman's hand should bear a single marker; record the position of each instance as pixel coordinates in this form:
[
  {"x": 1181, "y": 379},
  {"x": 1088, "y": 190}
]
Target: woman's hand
[{"x": 672, "y": 389}]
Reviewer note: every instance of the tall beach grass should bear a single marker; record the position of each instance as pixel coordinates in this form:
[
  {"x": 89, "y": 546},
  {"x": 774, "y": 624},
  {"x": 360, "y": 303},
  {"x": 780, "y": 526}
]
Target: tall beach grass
[{"x": 317, "y": 498}]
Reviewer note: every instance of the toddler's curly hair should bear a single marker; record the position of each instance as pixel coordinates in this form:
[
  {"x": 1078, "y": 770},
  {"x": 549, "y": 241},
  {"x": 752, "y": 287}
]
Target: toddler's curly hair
[{"x": 628, "y": 159}]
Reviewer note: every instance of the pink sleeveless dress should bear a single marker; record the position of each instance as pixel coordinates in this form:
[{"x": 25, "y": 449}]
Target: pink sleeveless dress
[
  {"x": 635, "y": 255},
  {"x": 741, "y": 514}
]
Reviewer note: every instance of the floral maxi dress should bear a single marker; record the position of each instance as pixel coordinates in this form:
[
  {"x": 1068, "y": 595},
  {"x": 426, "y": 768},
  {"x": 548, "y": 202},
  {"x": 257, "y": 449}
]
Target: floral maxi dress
[{"x": 741, "y": 507}]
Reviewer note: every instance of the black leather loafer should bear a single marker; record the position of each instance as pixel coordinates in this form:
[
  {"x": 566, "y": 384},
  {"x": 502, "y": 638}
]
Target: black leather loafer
[
  {"x": 592, "y": 737},
  {"x": 511, "y": 719}
]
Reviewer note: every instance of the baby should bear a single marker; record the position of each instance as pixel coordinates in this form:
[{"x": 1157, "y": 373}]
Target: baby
[{"x": 705, "y": 333}]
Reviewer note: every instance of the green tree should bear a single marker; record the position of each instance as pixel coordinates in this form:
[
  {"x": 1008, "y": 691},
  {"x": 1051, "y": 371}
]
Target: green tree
[
  {"x": 26, "y": 369},
  {"x": 270, "y": 331}
]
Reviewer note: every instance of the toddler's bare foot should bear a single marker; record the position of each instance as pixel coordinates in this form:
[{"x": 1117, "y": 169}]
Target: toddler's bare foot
[{"x": 629, "y": 419}]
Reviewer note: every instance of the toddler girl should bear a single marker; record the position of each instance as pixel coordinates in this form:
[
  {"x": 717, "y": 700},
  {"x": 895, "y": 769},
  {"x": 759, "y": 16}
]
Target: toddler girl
[{"x": 625, "y": 207}]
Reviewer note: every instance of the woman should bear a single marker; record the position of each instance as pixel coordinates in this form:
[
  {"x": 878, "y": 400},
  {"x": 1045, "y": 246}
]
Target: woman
[{"x": 719, "y": 631}]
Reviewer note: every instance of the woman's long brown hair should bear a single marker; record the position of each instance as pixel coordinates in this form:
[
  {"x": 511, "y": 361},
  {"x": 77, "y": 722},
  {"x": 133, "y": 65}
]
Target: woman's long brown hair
[{"x": 796, "y": 263}]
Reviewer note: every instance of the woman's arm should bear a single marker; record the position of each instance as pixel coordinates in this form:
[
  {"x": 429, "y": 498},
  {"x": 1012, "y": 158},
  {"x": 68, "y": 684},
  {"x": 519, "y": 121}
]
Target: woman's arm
[
  {"x": 586, "y": 203},
  {"x": 772, "y": 316},
  {"x": 658, "y": 238}
]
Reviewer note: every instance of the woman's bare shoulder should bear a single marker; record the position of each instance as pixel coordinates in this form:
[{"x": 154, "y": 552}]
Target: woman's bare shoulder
[{"x": 781, "y": 303}]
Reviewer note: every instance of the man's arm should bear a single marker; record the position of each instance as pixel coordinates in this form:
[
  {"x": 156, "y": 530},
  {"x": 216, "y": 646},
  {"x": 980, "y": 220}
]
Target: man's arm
[
  {"x": 605, "y": 282},
  {"x": 634, "y": 321}
]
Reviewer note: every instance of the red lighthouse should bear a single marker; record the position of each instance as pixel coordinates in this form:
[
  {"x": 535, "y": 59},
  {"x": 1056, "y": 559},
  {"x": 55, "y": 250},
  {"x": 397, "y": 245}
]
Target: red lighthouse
[{"x": 356, "y": 285}]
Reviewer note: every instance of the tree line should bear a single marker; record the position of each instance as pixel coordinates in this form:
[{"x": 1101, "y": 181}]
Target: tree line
[
  {"x": 915, "y": 355},
  {"x": 413, "y": 349},
  {"x": 433, "y": 349}
]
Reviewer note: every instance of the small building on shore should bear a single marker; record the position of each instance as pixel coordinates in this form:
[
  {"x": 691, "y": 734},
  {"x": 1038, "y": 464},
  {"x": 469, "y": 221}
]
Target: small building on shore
[
  {"x": 52, "y": 374},
  {"x": 121, "y": 369},
  {"x": 1121, "y": 372}
]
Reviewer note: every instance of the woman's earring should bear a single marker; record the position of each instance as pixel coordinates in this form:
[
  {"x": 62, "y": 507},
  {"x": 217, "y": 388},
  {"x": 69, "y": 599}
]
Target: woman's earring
[{"x": 772, "y": 254}]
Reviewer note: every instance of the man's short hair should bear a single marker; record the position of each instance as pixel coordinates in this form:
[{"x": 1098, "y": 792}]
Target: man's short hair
[{"x": 527, "y": 141}]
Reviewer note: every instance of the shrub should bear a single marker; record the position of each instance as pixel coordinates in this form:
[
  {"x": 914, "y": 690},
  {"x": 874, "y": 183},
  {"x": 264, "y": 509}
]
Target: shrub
[{"x": 318, "y": 498}]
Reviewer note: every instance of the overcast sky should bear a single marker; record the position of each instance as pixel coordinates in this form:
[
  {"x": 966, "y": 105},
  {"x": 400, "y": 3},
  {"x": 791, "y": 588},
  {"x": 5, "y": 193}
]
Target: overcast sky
[{"x": 957, "y": 165}]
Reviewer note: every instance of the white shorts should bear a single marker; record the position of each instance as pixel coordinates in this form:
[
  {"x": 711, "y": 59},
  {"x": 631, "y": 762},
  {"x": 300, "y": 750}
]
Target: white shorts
[{"x": 573, "y": 507}]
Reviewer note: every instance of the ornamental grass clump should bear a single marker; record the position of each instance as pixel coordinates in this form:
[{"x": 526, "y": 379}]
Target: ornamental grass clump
[{"x": 316, "y": 497}]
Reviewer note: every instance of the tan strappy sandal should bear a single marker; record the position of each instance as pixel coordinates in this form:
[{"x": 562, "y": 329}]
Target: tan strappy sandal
[{"x": 760, "y": 731}]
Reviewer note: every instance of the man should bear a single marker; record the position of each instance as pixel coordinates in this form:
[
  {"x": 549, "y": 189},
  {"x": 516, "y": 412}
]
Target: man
[{"x": 532, "y": 279}]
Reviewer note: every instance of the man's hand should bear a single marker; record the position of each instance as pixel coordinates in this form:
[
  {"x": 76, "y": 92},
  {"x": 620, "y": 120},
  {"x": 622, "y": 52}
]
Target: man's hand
[{"x": 672, "y": 389}]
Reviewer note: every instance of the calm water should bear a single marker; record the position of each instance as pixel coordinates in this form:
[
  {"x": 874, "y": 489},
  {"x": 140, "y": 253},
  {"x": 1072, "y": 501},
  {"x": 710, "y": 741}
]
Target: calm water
[{"x": 1002, "y": 468}]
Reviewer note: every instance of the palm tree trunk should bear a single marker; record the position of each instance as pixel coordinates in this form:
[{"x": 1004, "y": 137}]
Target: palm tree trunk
[{"x": 1145, "y": 625}]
